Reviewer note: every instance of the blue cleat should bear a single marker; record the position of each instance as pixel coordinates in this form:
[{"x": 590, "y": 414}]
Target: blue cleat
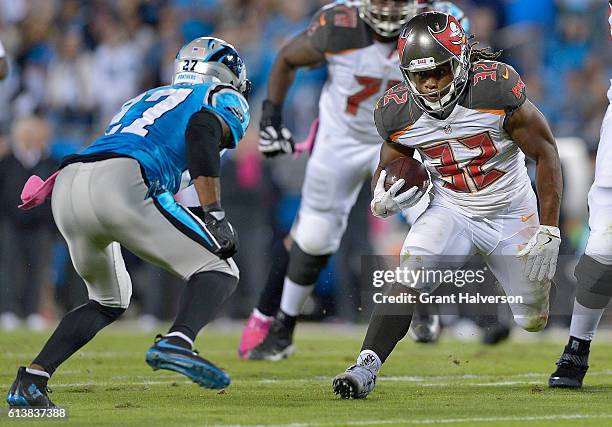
[
  {"x": 163, "y": 355},
  {"x": 29, "y": 390}
]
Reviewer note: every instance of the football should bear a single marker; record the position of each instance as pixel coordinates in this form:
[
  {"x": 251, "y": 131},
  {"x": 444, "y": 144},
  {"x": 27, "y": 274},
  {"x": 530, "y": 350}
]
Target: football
[{"x": 411, "y": 170}]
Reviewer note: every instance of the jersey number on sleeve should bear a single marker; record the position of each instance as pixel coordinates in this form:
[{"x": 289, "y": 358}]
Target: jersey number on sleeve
[
  {"x": 171, "y": 98},
  {"x": 371, "y": 86},
  {"x": 472, "y": 172}
]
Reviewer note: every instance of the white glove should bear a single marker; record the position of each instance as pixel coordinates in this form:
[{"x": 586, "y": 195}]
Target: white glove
[
  {"x": 541, "y": 252},
  {"x": 274, "y": 141},
  {"x": 386, "y": 203}
]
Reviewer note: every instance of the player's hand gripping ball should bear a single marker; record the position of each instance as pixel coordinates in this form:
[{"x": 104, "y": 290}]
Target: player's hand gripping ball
[
  {"x": 410, "y": 170},
  {"x": 400, "y": 185}
]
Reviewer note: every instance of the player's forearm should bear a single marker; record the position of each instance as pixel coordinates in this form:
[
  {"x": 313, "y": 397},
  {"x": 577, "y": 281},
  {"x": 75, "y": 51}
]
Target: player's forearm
[
  {"x": 549, "y": 185},
  {"x": 209, "y": 190},
  {"x": 280, "y": 80},
  {"x": 375, "y": 177}
]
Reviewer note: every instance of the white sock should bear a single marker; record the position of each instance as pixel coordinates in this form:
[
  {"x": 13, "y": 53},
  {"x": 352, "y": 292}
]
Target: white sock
[
  {"x": 38, "y": 372},
  {"x": 181, "y": 336},
  {"x": 369, "y": 359},
  {"x": 294, "y": 297},
  {"x": 261, "y": 316},
  {"x": 585, "y": 321}
]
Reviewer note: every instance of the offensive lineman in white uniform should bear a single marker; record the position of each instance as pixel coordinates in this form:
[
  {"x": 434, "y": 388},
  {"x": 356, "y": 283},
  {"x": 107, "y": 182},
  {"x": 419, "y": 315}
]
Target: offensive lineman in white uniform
[
  {"x": 357, "y": 41},
  {"x": 469, "y": 118},
  {"x": 594, "y": 270}
]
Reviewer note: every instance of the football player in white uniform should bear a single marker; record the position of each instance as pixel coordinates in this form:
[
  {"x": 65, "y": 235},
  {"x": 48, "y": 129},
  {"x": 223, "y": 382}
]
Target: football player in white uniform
[
  {"x": 469, "y": 118},
  {"x": 357, "y": 42},
  {"x": 594, "y": 270}
]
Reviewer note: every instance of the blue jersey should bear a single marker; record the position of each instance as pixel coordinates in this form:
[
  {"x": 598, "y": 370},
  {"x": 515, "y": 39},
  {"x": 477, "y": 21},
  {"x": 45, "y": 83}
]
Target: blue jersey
[{"x": 151, "y": 127}]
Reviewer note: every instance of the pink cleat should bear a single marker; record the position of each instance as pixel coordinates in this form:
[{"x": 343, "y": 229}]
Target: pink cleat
[{"x": 254, "y": 333}]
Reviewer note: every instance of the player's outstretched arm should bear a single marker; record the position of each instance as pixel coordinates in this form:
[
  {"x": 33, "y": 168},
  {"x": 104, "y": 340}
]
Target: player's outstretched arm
[
  {"x": 299, "y": 52},
  {"x": 205, "y": 136},
  {"x": 530, "y": 131}
]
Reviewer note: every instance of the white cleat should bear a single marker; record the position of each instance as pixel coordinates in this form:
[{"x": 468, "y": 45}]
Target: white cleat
[
  {"x": 355, "y": 383},
  {"x": 425, "y": 329}
]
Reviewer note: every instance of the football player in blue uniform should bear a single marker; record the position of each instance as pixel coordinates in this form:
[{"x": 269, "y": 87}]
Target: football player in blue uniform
[{"x": 119, "y": 191}]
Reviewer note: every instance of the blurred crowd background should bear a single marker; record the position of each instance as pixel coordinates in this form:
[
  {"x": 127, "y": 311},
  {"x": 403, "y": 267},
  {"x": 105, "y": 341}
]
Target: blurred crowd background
[{"x": 73, "y": 63}]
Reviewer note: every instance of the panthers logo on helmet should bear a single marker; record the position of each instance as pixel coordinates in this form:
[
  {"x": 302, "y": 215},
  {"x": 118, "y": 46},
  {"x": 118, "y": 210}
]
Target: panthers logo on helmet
[{"x": 451, "y": 36}]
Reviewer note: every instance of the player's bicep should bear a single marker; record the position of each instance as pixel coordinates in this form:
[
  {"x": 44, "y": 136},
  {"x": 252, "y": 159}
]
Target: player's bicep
[
  {"x": 530, "y": 131},
  {"x": 301, "y": 51}
]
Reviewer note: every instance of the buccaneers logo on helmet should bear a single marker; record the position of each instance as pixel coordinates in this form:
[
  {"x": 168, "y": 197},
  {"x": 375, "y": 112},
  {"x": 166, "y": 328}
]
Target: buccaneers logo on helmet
[{"x": 451, "y": 36}]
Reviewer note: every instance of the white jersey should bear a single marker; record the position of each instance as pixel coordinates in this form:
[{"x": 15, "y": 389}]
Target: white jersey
[
  {"x": 474, "y": 164},
  {"x": 360, "y": 70}
]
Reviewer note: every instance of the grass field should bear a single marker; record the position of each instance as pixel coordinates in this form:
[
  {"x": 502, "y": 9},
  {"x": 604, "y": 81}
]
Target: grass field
[{"x": 450, "y": 383}]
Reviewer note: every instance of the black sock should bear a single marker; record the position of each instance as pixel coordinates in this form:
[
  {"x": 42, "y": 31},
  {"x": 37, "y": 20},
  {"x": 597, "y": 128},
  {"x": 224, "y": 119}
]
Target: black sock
[
  {"x": 178, "y": 341},
  {"x": 577, "y": 346},
  {"x": 270, "y": 298},
  {"x": 286, "y": 320},
  {"x": 388, "y": 325},
  {"x": 75, "y": 330},
  {"x": 39, "y": 380},
  {"x": 200, "y": 301}
]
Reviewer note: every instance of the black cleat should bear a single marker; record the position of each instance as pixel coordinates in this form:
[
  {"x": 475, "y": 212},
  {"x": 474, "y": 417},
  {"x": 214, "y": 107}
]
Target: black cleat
[
  {"x": 29, "y": 390},
  {"x": 495, "y": 334},
  {"x": 278, "y": 344},
  {"x": 572, "y": 365},
  {"x": 568, "y": 374}
]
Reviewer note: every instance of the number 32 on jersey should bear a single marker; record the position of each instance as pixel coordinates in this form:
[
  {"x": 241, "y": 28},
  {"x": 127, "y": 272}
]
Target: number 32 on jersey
[{"x": 470, "y": 177}]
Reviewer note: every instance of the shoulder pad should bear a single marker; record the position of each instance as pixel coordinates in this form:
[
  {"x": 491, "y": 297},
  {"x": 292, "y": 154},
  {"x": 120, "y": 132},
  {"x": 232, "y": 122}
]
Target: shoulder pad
[
  {"x": 495, "y": 87},
  {"x": 231, "y": 106},
  {"x": 395, "y": 112},
  {"x": 338, "y": 27}
]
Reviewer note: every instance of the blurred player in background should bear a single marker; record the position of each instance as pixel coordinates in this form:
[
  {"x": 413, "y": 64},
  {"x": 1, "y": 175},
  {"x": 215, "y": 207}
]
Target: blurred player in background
[
  {"x": 119, "y": 191},
  {"x": 357, "y": 42},
  {"x": 594, "y": 270},
  {"x": 3, "y": 62},
  {"x": 470, "y": 119}
]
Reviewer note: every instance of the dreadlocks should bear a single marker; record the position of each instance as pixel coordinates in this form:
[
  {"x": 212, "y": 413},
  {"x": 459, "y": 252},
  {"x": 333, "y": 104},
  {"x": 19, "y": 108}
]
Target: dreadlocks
[{"x": 486, "y": 54}]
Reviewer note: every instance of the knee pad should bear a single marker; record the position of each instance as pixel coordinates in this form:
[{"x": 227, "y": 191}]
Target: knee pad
[
  {"x": 531, "y": 323},
  {"x": 594, "y": 283},
  {"x": 304, "y": 269},
  {"x": 111, "y": 313},
  {"x": 318, "y": 233}
]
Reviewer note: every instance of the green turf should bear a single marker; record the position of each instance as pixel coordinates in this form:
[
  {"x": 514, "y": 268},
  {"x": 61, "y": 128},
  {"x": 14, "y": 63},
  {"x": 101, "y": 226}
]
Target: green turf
[{"x": 108, "y": 383}]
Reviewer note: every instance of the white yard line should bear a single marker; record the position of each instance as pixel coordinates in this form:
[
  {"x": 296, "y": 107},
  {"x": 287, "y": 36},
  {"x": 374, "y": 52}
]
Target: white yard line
[
  {"x": 425, "y": 381},
  {"x": 435, "y": 421}
]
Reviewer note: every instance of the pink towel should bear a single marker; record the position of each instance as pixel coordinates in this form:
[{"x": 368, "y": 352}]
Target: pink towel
[
  {"x": 36, "y": 191},
  {"x": 307, "y": 145}
]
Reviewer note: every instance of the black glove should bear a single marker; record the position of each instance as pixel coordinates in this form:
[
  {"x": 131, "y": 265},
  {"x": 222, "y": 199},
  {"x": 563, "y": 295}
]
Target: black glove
[
  {"x": 274, "y": 138},
  {"x": 221, "y": 233}
]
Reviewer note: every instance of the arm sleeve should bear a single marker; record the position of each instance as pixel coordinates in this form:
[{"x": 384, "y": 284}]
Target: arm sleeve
[{"x": 202, "y": 137}]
